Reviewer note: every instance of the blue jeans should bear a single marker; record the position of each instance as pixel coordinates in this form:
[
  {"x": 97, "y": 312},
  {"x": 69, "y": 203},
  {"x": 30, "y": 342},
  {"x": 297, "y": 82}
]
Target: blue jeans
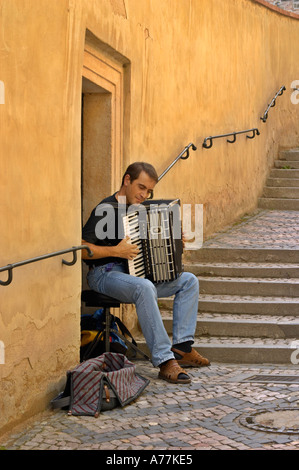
[{"x": 144, "y": 294}]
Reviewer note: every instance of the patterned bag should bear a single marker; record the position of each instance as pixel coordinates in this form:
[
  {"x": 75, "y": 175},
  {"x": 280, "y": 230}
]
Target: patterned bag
[{"x": 99, "y": 384}]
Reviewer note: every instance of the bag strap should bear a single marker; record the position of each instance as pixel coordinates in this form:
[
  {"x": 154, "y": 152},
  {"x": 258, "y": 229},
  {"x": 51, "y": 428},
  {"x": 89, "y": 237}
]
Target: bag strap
[
  {"x": 132, "y": 345},
  {"x": 125, "y": 331},
  {"x": 92, "y": 345},
  {"x": 123, "y": 328}
]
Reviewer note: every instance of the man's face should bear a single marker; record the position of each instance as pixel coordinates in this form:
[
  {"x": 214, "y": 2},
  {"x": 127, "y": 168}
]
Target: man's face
[{"x": 139, "y": 189}]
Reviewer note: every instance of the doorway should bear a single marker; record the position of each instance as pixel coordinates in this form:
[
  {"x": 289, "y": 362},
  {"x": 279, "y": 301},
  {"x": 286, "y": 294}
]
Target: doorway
[
  {"x": 96, "y": 149},
  {"x": 101, "y": 126}
]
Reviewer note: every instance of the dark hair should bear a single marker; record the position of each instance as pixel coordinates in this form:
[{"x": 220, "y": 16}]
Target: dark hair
[{"x": 136, "y": 168}]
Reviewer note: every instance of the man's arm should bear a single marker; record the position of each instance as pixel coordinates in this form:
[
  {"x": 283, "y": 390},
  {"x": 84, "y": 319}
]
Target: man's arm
[{"x": 124, "y": 249}]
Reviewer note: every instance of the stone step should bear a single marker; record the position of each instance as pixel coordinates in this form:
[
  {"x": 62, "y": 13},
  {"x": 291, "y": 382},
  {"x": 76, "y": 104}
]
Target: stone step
[
  {"x": 292, "y": 154},
  {"x": 249, "y": 305},
  {"x": 236, "y": 304},
  {"x": 260, "y": 270},
  {"x": 242, "y": 350},
  {"x": 287, "y": 164},
  {"x": 284, "y": 173},
  {"x": 282, "y": 192},
  {"x": 247, "y": 350},
  {"x": 285, "y": 182},
  {"x": 249, "y": 286},
  {"x": 249, "y": 326},
  {"x": 279, "y": 204},
  {"x": 249, "y": 297},
  {"x": 252, "y": 255}
]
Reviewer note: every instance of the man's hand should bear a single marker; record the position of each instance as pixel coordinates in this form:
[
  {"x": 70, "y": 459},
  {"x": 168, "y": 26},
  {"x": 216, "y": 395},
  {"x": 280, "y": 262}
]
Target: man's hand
[{"x": 126, "y": 250}]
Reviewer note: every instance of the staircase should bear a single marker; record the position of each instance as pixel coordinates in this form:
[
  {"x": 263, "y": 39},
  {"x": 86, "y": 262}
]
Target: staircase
[
  {"x": 282, "y": 187},
  {"x": 249, "y": 304},
  {"x": 249, "y": 280}
]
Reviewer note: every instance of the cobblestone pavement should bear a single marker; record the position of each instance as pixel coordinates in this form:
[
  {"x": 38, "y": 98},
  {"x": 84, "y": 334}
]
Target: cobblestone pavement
[
  {"x": 215, "y": 412},
  {"x": 264, "y": 229},
  {"x": 211, "y": 413}
]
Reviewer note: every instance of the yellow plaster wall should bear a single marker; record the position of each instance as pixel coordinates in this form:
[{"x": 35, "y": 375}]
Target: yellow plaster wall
[
  {"x": 201, "y": 68},
  {"x": 40, "y": 202},
  {"x": 196, "y": 68}
]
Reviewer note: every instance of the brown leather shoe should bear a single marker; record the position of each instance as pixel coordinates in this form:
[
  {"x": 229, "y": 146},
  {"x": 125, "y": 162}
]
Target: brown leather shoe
[
  {"x": 192, "y": 359},
  {"x": 170, "y": 372}
]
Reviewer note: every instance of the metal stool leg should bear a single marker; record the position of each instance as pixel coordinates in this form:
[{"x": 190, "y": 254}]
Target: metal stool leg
[
  {"x": 94, "y": 299},
  {"x": 107, "y": 329}
]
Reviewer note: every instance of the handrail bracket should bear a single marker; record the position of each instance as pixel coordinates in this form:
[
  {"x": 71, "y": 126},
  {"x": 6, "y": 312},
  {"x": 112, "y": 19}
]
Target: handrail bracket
[
  {"x": 273, "y": 103},
  {"x": 208, "y": 141},
  {"x": 180, "y": 156}
]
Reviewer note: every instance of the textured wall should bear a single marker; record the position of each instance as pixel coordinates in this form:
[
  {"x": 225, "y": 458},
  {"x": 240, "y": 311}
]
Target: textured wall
[
  {"x": 40, "y": 203},
  {"x": 194, "y": 68}
]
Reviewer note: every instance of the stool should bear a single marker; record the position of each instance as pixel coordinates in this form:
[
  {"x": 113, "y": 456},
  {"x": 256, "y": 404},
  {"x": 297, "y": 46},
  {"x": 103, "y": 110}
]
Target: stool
[{"x": 94, "y": 299}]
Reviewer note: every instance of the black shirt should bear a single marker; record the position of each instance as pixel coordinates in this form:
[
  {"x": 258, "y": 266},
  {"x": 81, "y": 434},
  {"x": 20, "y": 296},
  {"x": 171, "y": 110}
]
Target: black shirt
[{"x": 104, "y": 228}]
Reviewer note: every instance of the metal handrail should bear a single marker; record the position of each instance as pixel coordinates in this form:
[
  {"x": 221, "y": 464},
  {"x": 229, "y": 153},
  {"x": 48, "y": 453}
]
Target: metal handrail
[
  {"x": 272, "y": 104},
  {"x": 207, "y": 145},
  {"x": 180, "y": 156},
  {"x": 208, "y": 141},
  {"x": 73, "y": 250}
]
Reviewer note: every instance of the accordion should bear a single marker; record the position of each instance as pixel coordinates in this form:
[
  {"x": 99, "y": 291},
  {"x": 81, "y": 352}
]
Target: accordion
[{"x": 155, "y": 226}]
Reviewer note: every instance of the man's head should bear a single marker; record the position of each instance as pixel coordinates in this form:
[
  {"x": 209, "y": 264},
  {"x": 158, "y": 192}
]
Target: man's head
[{"x": 138, "y": 182}]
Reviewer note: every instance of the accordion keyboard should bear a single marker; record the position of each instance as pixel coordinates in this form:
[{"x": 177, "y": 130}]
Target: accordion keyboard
[{"x": 159, "y": 257}]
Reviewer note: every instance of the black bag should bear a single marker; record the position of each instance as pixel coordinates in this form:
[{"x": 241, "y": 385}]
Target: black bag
[
  {"x": 93, "y": 336},
  {"x": 100, "y": 384}
]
